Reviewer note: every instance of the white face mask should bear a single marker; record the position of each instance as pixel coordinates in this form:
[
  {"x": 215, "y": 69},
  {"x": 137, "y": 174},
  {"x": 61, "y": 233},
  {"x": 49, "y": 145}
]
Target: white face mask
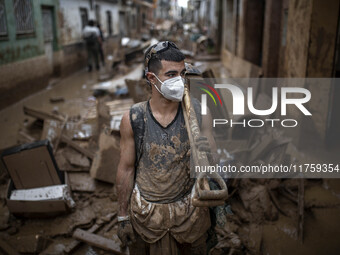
[{"x": 172, "y": 89}]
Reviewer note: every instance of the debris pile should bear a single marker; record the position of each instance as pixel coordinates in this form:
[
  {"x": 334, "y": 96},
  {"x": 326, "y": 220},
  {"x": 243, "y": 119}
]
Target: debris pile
[
  {"x": 66, "y": 169},
  {"x": 81, "y": 158}
]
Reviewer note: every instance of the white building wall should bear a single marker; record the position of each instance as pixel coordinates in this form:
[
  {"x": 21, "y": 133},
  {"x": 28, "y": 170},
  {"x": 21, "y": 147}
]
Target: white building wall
[
  {"x": 114, "y": 9},
  {"x": 70, "y": 19}
]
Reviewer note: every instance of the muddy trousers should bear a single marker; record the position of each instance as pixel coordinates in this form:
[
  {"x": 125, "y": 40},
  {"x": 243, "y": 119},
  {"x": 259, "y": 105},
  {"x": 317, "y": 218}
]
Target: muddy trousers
[
  {"x": 168, "y": 245},
  {"x": 92, "y": 55}
]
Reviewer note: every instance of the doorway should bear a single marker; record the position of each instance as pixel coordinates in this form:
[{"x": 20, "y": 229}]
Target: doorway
[
  {"x": 48, "y": 32},
  {"x": 122, "y": 24}
]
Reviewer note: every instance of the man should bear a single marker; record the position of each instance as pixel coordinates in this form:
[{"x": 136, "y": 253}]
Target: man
[
  {"x": 153, "y": 180},
  {"x": 91, "y": 35},
  {"x": 100, "y": 46}
]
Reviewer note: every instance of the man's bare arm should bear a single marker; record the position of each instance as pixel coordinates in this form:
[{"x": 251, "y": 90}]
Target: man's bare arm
[{"x": 126, "y": 167}]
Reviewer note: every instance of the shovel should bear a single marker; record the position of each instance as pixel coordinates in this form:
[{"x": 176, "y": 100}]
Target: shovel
[{"x": 202, "y": 196}]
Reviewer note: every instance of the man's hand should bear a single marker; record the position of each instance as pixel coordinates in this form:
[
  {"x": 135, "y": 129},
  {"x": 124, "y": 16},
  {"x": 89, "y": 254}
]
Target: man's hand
[{"x": 125, "y": 233}]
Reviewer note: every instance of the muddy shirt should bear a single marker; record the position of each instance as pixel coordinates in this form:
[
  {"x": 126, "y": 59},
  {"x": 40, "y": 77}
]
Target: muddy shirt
[{"x": 162, "y": 154}]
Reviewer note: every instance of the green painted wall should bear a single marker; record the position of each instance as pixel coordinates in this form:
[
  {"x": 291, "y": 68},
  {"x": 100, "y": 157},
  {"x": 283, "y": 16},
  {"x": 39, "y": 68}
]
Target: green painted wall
[{"x": 15, "y": 48}]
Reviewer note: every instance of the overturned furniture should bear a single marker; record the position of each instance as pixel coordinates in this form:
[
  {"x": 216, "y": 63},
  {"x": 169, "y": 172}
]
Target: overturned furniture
[{"x": 37, "y": 187}]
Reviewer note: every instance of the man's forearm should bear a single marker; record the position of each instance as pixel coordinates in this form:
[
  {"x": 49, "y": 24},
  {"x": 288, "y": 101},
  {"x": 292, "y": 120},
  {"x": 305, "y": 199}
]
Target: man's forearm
[{"x": 125, "y": 181}]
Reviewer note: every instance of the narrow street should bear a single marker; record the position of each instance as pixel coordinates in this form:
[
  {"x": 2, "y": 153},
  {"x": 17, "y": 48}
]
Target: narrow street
[{"x": 60, "y": 117}]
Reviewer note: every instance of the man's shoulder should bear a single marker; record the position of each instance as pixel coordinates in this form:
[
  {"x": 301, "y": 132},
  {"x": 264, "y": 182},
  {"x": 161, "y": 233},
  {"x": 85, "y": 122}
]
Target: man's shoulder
[
  {"x": 137, "y": 111},
  {"x": 139, "y": 106}
]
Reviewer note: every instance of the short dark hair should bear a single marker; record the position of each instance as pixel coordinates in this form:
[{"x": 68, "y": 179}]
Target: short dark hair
[
  {"x": 91, "y": 23},
  {"x": 171, "y": 54}
]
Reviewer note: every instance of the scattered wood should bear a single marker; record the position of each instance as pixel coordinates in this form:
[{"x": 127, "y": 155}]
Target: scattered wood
[
  {"x": 75, "y": 146},
  {"x": 105, "y": 163},
  {"x": 27, "y": 137},
  {"x": 81, "y": 182},
  {"x": 76, "y": 159},
  {"x": 56, "y": 145},
  {"x": 42, "y": 115},
  {"x": 99, "y": 241},
  {"x": 51, "y": 130},
  {"x": 64, "y": 164},
  {"x": 73, "y": 245},
  {"x": 112, "y": 85},
  {"x": 276, "y": 202},
  {"x": 108, "y": 227}
]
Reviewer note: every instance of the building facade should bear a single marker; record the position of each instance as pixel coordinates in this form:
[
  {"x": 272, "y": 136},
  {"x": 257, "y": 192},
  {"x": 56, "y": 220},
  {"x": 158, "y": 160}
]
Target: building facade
[
  {"x": 41, "y": 39},
  {"x": 29, "y": 46},
  {"x": 291, "y": 39}
]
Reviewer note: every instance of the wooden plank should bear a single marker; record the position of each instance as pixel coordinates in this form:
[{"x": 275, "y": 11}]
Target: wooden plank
[
  {"x": 99, "y": 241},
  {"x": 108, "y": 227},
  {"x": 41, "y": 114},
  {"x": 75, "y": 146},
  {"x": 73, "y": 245},
  {"x": 105, "y": 163},
  {"x": 81, "y": 182},
  {"x": 58, "y": 137},
  {"x": 27, "y": 137}
]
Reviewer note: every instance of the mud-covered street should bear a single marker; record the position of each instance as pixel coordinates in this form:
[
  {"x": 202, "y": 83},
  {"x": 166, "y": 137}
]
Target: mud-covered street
[{"x": 75, "y": 174}]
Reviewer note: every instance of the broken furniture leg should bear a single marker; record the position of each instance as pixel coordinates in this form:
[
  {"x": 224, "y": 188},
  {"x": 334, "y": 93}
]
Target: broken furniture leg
[
  {"x": 99, "y": 241},
  {"x": 75, "y": 146},
  {"x": 72, "y": 246}
]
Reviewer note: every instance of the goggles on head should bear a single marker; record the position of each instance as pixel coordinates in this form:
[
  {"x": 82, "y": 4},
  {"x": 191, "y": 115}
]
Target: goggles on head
[{"x": 157, "y": 48}]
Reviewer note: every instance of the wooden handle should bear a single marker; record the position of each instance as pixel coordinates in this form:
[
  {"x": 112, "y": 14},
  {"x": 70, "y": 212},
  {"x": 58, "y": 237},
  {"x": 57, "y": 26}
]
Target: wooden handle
[{"x": 202, "y": 190}]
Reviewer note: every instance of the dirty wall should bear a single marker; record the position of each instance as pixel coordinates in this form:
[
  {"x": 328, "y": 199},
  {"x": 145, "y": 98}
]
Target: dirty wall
[
  {"x": 24, "y": 66},
  {"x": 284, "y": 39}
]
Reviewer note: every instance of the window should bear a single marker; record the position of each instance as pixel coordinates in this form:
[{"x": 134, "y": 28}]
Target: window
[
  {"x": 83, "y": 17},
  {"x": 109, "y": 22},
  {"x": 133, "y": 21},
  {"x": 143, "y": 18},
  {"x": 23, "y": 13},
  {"x": 3, "y": 23}
]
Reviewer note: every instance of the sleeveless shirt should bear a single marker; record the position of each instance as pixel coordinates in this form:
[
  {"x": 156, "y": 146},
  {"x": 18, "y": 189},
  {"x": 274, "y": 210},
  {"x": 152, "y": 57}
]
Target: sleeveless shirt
[{"x": 162, "y": 154}]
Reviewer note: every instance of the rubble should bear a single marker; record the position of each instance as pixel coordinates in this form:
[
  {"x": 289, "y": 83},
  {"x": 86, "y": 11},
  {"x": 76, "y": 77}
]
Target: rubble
[
  {"x": 73, "y": 245},
  {"x": 86, "y": 150},
  {"x": 31, "y": 243},
  {"x": 112, "y": 85},
  {"x": 56, "y": 192},
  {"x": 105, "y": 162},
  {"x": 99, "y": 241},
  {"x": 81, "y": 182}
]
